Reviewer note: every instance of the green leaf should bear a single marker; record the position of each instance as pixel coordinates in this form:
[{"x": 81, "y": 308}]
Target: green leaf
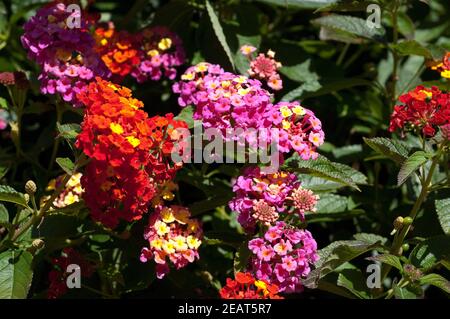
[
  {"x": 395, "y": 150},
  {"x": 404, "y": 293},
  {"x": 219, "y": 31},
  {"x": 69, "y": 131},
  {"x": 324, "y": 168},
  {"x": 300, "y": 4},
  {"x": 370, "y": 238},
  {"x": 437, "y": 281},
  {"x": 353, "y": 280},
  {"x": 66, "y": 164},
  {"x": 411, "y": 164},
  {"x": 331, "y": 203},
  {"x": 241, "y": 258},
  {"x": 388, "y": 259},
  {"x": 405, "y": 25},
  {"x": 431, "y": 251},
  {"x": 3, "y": 103},
  {"x": 443, "y": 212},
  {"x": 334, "y": 86},
  {"x": 186, "y": 115},
  {"x": 9, "y": 194},
  {"x": 311, "y": 86},
  {"x": 349, "y": 26},
  {"x": 15, "y": 274},
  {"x": 336, "y": 254},
  {"x": 412, "y": 47},
  {"x": 4, "y": 216}
]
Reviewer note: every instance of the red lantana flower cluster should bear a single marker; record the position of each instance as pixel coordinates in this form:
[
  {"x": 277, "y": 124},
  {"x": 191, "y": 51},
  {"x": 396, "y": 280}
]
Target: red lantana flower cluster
[
  {"x": 128, "y": 152},
  {"x": 58, "y": 275},
  {"x": 422, "y": 108},
  {"x": 245, "y": 286},
  {"x": 152, "y": 53}
]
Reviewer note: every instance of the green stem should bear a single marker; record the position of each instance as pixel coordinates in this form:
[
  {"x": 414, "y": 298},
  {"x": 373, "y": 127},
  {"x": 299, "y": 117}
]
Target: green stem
[
  {"x": 399, "y": 239},
  {"x": 59, "y": 115}
]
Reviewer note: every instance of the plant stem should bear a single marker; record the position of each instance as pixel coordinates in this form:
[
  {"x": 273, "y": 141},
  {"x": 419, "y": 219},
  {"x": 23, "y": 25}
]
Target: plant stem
[
  {"x": 59, "y": 114},
  {"x": 43, "y": 210},
  {"x": 398, "y": 240}
]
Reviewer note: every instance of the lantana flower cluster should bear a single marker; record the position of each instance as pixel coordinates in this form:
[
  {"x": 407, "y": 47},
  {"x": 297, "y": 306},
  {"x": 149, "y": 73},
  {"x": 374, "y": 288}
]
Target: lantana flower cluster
[
  {"x": 117, "y": 49},
  {"x": 300, "y": 130},
  {"x": 72, "y": 192},
  {"x": 65, "y": 54},
  {"x": 283, "y": 256},
  {"x": 261, "y": 197},
  {"x": 58, "y": 276},
  {"x": 153, "y": 53},
  {"x": 161, "y": 52},
  {"x": 425, "y": 109},
  {"x": 224, "y": 101},
  {"x": 263, "y": 67},
  {"x": 173, "y": 237},
  {"x": 245, "y": 286},
  {"x": 443, "y": 67},
  {"x": 119, "y": 138}
]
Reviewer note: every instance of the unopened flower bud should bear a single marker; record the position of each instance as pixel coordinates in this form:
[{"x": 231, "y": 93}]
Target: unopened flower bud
[
  {"x": 398, "y": 223},
  {"x": 27, "y": 198},
  {"x": 407, "y": 221},
  {"x": 405, "y": 247},
  {"x": 30, "y": 187},
  {"x": 38, "y": 243}
]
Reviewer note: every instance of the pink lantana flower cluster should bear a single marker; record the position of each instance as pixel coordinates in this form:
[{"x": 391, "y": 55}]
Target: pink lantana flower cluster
[
  {"x": 65, "y": 54},
  {"x": 260, "y": 197},
  {"x": 173, "y": 237},
  {"x": 283, "y": 256},
  {"x": 263, "y": 67},
  {"x": 161, "y": 51},
  {"x": 300, "y": 130},
  {"x": 224, "y": 100}
]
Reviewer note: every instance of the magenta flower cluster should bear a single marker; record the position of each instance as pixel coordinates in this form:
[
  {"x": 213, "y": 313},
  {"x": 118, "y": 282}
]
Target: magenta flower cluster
[
  {"x": 162, "y": 52},
  {"x": 65, "y": 53},
  {"x": 283, "y": 256},
  {"x": 224, "y": 101}
]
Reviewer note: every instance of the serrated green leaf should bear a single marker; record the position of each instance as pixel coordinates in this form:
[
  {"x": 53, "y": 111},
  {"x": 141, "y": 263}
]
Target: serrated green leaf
[
  {"x": 410, "y": 165},
  {"x": 353, "y": 280},
  {"x": 388, "y": 259},
  {"x": 186, "y": 115},
  {"x": 395, "y": 150},
  {"x": 9, "y": 194},
  {"x": 15, "y": 274},
  {"x": 336, "y": 254},
  {"x": 324, "y": 168},
  {"x": 431, "y": 251},
  {"x": 300, "y": 4},
  {"x": 404, "y": 293},
  {"x": 349, "y": 26},
  {"x": 219, "y": 31},
  {"x": 412, "y": 47},
  {"x": 443, "y": 212},
  {"x": 370, "y": 238},
  {"x": 4, "y": 216},
  {"x": 437, "y": 281},
  {"x": 331, "y": 203},
  {"x": 66, "y": 164},
  {"x": 69, "y": 131}
]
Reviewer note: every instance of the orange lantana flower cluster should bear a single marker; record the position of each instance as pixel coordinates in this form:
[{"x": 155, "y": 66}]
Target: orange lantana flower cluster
[
  {"x": 124, "y": 145},
  {"x": 245, "y": 286}
]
